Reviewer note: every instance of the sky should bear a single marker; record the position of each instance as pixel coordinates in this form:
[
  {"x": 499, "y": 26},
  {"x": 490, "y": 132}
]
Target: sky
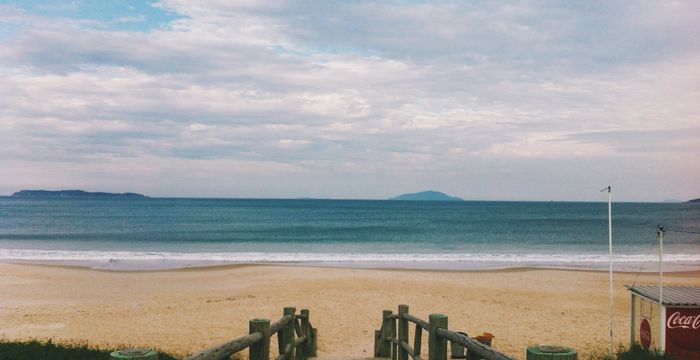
[{"x": 524, "y": 100}]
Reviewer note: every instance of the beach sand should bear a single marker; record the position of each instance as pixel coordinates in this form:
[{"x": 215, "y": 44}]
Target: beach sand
[{"x": 184, "y": 311}]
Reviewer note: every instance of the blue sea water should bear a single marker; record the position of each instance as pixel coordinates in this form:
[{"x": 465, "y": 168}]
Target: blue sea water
[{"x": 176, "y": 232}]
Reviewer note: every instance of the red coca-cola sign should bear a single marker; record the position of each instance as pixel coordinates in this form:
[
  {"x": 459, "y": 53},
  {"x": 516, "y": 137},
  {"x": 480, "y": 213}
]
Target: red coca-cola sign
[
  {"x": 683, "y": 333},
  {"x": 645, "y": 334}
]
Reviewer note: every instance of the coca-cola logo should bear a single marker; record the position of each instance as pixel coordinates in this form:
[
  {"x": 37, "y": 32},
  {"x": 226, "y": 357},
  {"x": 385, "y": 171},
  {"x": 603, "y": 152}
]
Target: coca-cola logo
[
  {"x": 676, "y": 321},
  {"x": 683, "y": 333}
]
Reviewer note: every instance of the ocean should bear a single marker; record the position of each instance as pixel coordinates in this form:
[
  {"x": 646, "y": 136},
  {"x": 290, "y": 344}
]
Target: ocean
[{"x": 160, "y": 233}]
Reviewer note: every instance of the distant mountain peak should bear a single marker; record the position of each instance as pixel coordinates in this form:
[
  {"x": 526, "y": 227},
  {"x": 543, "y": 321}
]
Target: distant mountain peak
[
  {"x": 429, "y": 195},
  {"x": 694, "y": 200}
]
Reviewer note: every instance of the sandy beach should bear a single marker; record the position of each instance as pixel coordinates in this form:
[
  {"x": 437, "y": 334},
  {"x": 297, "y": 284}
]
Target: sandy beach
[{"x": 183, "y": 311}]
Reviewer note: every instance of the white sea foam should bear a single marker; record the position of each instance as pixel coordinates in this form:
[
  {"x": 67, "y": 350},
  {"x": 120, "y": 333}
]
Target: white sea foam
[{"x": 420, "y": 260}]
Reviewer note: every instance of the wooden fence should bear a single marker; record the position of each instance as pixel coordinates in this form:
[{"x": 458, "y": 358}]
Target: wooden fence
[
  {"x": 295, "y": 336},
  {"x": 388, "y": 345}
]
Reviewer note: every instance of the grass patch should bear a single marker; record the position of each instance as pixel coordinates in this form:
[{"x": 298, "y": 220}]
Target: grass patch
[
  {"x": 38, "y": 350},
  {"x": 634, "y": 352}
]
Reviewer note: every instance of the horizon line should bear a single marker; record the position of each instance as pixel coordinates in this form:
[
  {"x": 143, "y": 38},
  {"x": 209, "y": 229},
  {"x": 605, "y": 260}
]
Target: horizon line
[{"x": 306, "y": 198}]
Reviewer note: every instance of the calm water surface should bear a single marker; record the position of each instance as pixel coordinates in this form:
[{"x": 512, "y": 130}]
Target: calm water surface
[{"x": 473, "y": 234}]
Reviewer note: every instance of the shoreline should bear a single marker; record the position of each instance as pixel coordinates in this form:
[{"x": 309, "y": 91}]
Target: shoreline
[
  {"x": 237, "y": 266},
  {"x": 146, "y": 266}
]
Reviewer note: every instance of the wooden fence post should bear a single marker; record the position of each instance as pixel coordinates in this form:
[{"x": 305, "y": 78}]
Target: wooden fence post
[
  {"x": 299, "y": 353},
  {"x": 261, "y": 349},
  {"x": 394, "y": 347},
  {"x": 417, "y": 341},
  {"x": 377, "y": 342},
  {"x": 306, "y": 330},
  {"x": 286, "y": 335},
  {"x": 385, "y": 345},
  {"x": 437, "y": 346},
  {"x": 313, "y": 343},
  {"x": 403, "y": 331}
]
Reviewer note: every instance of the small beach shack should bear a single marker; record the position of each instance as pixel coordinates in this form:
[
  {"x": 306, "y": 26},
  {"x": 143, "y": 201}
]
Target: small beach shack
[{"x": 672, "y": 326}]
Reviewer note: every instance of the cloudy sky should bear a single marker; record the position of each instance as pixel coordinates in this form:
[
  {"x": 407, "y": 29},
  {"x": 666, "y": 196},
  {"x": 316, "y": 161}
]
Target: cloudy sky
[{"x": 529, "y": 100}]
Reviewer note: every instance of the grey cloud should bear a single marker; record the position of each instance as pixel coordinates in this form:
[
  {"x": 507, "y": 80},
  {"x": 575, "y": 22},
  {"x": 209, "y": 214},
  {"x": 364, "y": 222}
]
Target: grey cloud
[
  {"x": 541, "y": 35},
  {"x": 674, "y": 141},
  {"x": 475, "y": 95}
]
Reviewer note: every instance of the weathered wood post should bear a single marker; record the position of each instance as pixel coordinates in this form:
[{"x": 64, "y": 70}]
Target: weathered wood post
[
  {"x": 313, "y": 343},
  {"x": 285, "y": 337},
  {"x": 385, "y": 345},
  {"x": 377, "y": 342},
  {"x": 299, "y": 353},
  {"x": 403, "y": 332},
  {"x": 457, "y": 351},
  {"x": 307, "y": 331},
  {"x": 261, "y": 349},
  {"x": 417, "y": 341},
  {"x": 394, "y": 347},
  {"x": 437, "y": 346}
]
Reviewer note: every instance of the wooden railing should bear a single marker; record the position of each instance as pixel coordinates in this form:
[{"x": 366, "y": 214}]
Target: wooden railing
[
  {"x": 295, "y": 336},
  {"x": 389, "y": 344}
]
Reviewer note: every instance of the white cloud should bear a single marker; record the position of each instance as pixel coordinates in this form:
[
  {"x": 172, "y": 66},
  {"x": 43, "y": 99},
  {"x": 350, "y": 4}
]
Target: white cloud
[{"x": 325, "y": 90}]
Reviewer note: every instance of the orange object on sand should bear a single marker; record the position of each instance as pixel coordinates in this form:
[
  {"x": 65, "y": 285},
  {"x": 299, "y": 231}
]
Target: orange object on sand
[{"x": 485, "y": 338}]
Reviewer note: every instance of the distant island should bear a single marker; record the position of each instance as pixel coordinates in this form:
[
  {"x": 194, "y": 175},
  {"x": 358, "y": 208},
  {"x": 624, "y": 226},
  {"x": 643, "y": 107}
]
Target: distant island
[
  {"x": 427, "y": 196},
  {"x": 694, "y": 200},
  {"x": 75, "y": 194}
]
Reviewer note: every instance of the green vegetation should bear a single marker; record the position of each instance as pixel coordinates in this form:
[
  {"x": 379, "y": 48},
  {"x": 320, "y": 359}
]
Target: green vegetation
[
  {"x": 37, "y": 350},
  {"x": 634, "y": 352}
]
